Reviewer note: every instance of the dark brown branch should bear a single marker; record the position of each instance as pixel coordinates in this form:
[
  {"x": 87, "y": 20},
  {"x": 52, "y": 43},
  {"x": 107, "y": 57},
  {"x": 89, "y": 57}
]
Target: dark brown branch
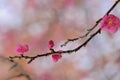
[
  {"x": 90, "y": 30},
  {"x": 30, "y": 59}
]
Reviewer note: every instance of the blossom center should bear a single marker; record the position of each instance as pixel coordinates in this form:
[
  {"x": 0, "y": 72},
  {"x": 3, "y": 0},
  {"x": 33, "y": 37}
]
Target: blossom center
[{"x": 110, "y": 22}]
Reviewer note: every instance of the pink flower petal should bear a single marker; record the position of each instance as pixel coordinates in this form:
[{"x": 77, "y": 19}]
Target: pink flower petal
[
  {"x": 26, "y": 48},
  {"x": 21, "y": 49},
  {"x": 113, "y": 30},
  {"x": 110, "y": 23},
  {"x": 56, "y": 57},
  {"x": 51, "y": 44}
]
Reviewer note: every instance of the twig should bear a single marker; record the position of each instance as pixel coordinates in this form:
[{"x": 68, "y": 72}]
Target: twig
[
  {"x": 21, "y": 75},
  {"x": 90, "y": 30},
  {"x": 14, "y": 65},
  {"x": 30, "y": 59}
]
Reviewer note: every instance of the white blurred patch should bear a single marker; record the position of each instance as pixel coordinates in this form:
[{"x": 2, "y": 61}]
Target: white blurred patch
[
  {"x": 37, "y": 28},
  {"x": 111, "y": 70},
  {"x": 105, "y": 5},
  {"x": 42, "y": 64},
  {"x": 103, "y": 43},
  {"x": 116, "y": 40},
  {"x": 98, "y": 75},
  {"x": 10, "y": 14},
  {"x": 98, "y": 8},
  {"x": 75, "y": 16},
  {"x": 117, "y": 77},
  {"x": 86, "y": 62}
]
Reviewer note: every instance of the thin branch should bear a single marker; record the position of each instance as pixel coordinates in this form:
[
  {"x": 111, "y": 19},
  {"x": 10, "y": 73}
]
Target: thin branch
[
  {"x": 20, "y": 75},
  {"x": 30, "y": 59},
  {"x": 23, "y": 74},
  {"x": 14, "y": 65},
  {"x": 90, "y": 30},
  {"x": 85, "y": 35},
  {"x": 50, "y": 53}
]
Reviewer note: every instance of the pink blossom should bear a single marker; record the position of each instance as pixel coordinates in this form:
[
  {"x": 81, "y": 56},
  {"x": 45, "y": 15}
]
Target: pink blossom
[
  {"x": 110, "y": 23},
  {"x": 21, "y": 49},
  {"x": 56, "y": 57},
  {"x": 26, "y": 48},
  {"x": 51, "y": 44}
]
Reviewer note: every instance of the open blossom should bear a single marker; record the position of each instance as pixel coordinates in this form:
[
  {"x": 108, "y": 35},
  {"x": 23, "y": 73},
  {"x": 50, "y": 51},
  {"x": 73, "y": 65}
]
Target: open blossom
[
  {"x": 21, "y": 49},
  {"x": 110, "y": 23},
  {"x": 51, "y": 44},
  {"x": 56, "y": 57}
]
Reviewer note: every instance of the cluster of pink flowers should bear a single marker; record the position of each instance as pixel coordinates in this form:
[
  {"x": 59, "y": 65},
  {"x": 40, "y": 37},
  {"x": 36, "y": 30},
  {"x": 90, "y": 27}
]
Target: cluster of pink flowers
[
  {"x": 110, "y": 23},
  {"x": 21, "y": 49}
]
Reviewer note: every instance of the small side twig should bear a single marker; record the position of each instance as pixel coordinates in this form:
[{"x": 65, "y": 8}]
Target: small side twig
[
  {"x": 21, "y": 75},
  {"x": 85, "y": 35}
]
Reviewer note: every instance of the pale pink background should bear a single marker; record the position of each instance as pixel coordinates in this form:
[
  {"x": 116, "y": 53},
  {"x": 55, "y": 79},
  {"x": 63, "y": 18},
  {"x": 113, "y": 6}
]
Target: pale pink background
[{"x": 35, "y": 22}]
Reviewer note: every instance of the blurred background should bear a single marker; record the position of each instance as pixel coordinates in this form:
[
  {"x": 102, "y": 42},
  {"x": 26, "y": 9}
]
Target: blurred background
[{"x": 35, "y": 22}]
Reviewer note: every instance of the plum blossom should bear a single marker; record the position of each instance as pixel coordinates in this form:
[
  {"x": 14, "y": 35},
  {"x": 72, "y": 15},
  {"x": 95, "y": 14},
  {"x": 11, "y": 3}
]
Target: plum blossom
[
  {"x": 56, "y": 57},
  {"x": 110, "y": 23},
  {"x": 51, "y": 44},
  {"x": 21, "y": 49}
]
